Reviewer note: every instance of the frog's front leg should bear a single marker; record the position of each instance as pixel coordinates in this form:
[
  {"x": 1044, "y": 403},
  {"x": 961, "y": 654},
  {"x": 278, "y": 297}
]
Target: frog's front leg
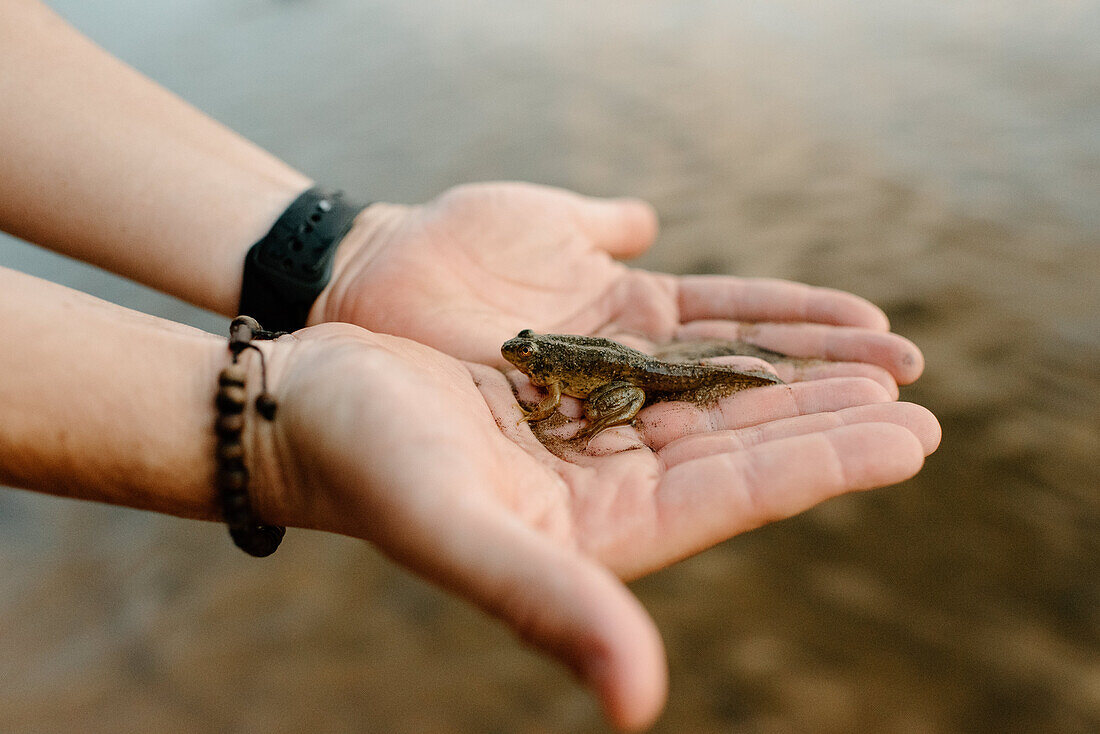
[
  {"x": 547, "y": 406},
  {"x": 612, "y": 404}
]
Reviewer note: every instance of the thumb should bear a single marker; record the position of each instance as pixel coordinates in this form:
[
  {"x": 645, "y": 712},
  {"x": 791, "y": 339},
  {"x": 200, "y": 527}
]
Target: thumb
[
  {"x": 560, "y": 602},
  {"x": 623, "y": 228}
]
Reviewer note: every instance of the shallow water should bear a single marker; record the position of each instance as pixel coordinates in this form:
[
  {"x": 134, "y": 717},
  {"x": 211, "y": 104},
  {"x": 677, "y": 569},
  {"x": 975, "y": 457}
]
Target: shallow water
[{"x": 943, "y": 161}]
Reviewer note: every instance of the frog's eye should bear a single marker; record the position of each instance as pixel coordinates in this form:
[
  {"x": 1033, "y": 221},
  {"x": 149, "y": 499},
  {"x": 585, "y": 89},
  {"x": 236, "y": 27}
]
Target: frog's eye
[{"x": 526, "y": 350}]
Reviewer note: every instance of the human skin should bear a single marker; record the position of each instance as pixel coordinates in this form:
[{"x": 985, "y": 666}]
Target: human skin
[
  {"x": 101, "y": 164},
  {"x": 543, "y": 542}
]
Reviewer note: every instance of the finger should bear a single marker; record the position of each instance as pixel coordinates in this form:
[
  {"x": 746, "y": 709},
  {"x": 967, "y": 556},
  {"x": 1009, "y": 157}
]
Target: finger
[
  {"x": 555, "y": 599},
  {"x": 896, "y": 354},
  {"x": 710, "y": 499},
  {"x": 799, "y": 370},
  {"x": 623, "y": 228},
  {"x": 914, "y": 418},
  {"x": 767, "y": 299},
  {"x": 663, "y": 423},
  {"x": 807, "y": 371}
]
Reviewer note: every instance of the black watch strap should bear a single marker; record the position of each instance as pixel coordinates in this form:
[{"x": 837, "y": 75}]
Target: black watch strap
[{"x": 286, "y": 270}]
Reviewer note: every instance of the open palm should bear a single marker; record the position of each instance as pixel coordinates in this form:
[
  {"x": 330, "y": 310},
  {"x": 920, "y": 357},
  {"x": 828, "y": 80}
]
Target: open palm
[
  {"x": 388, "y": 440},
  {"x": 467, "y": 271}
]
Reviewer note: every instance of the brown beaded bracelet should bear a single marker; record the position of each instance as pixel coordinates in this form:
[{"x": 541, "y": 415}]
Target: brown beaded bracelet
[{"x": 231, "y": 477}]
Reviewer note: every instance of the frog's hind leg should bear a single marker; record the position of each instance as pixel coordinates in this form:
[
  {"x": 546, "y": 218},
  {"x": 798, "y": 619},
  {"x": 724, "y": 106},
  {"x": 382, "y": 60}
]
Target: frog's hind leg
[{"x": 611, "y": 405}]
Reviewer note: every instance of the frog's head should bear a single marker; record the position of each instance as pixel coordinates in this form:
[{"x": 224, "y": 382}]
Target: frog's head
[{"x": 522, "y": 350}]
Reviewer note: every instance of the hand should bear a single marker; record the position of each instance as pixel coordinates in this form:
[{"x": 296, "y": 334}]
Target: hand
[
  {"x": 467, "y": 271},
  {"x": 385, "y": 439}
]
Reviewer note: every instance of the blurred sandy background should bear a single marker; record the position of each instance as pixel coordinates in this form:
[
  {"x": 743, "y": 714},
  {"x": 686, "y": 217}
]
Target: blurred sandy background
[{"x": 942, "y": 159}]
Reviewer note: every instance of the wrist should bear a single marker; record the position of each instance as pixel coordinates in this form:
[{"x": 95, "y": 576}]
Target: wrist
[
  {"x": 334, "y": 385},
  {"x": 269, "y": 489},
  {"x": 370, "y": 235},
  {"x": 288, "y": 268}
]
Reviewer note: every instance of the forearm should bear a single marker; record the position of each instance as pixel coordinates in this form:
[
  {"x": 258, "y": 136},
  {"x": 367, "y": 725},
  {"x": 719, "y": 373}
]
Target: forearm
[
  {"x": 101, "y": 164},
  {"x": 101, "y": 403}
]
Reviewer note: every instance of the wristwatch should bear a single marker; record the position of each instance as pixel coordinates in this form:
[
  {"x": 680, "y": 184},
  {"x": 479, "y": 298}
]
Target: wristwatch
[{"x": 286, "y": 271}]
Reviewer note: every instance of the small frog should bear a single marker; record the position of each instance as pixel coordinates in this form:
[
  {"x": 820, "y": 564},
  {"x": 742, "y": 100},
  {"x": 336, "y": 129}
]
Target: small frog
[{"x": 615, "y": 380}]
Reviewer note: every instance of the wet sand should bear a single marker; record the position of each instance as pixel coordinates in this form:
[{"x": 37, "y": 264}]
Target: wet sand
[{"x": 944, "y": 162}]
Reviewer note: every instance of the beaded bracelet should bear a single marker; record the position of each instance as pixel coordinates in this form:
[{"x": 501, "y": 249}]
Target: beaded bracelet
[{"x": 231, "y": 477}]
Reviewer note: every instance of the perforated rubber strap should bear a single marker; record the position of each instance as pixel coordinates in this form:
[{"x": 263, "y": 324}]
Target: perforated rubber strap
[{"x": 286, "y": 270}]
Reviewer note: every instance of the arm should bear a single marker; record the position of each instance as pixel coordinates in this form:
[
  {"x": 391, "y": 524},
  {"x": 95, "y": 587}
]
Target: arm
[
  {"x": 101, "y": 164},
  {"x": 101, "y": 403}
]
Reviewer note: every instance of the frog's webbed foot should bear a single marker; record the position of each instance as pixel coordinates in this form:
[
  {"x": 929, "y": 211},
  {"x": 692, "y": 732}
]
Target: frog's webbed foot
[
  {"x": 546, "y": 407},
  {"x": 613, "y": 404}
]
